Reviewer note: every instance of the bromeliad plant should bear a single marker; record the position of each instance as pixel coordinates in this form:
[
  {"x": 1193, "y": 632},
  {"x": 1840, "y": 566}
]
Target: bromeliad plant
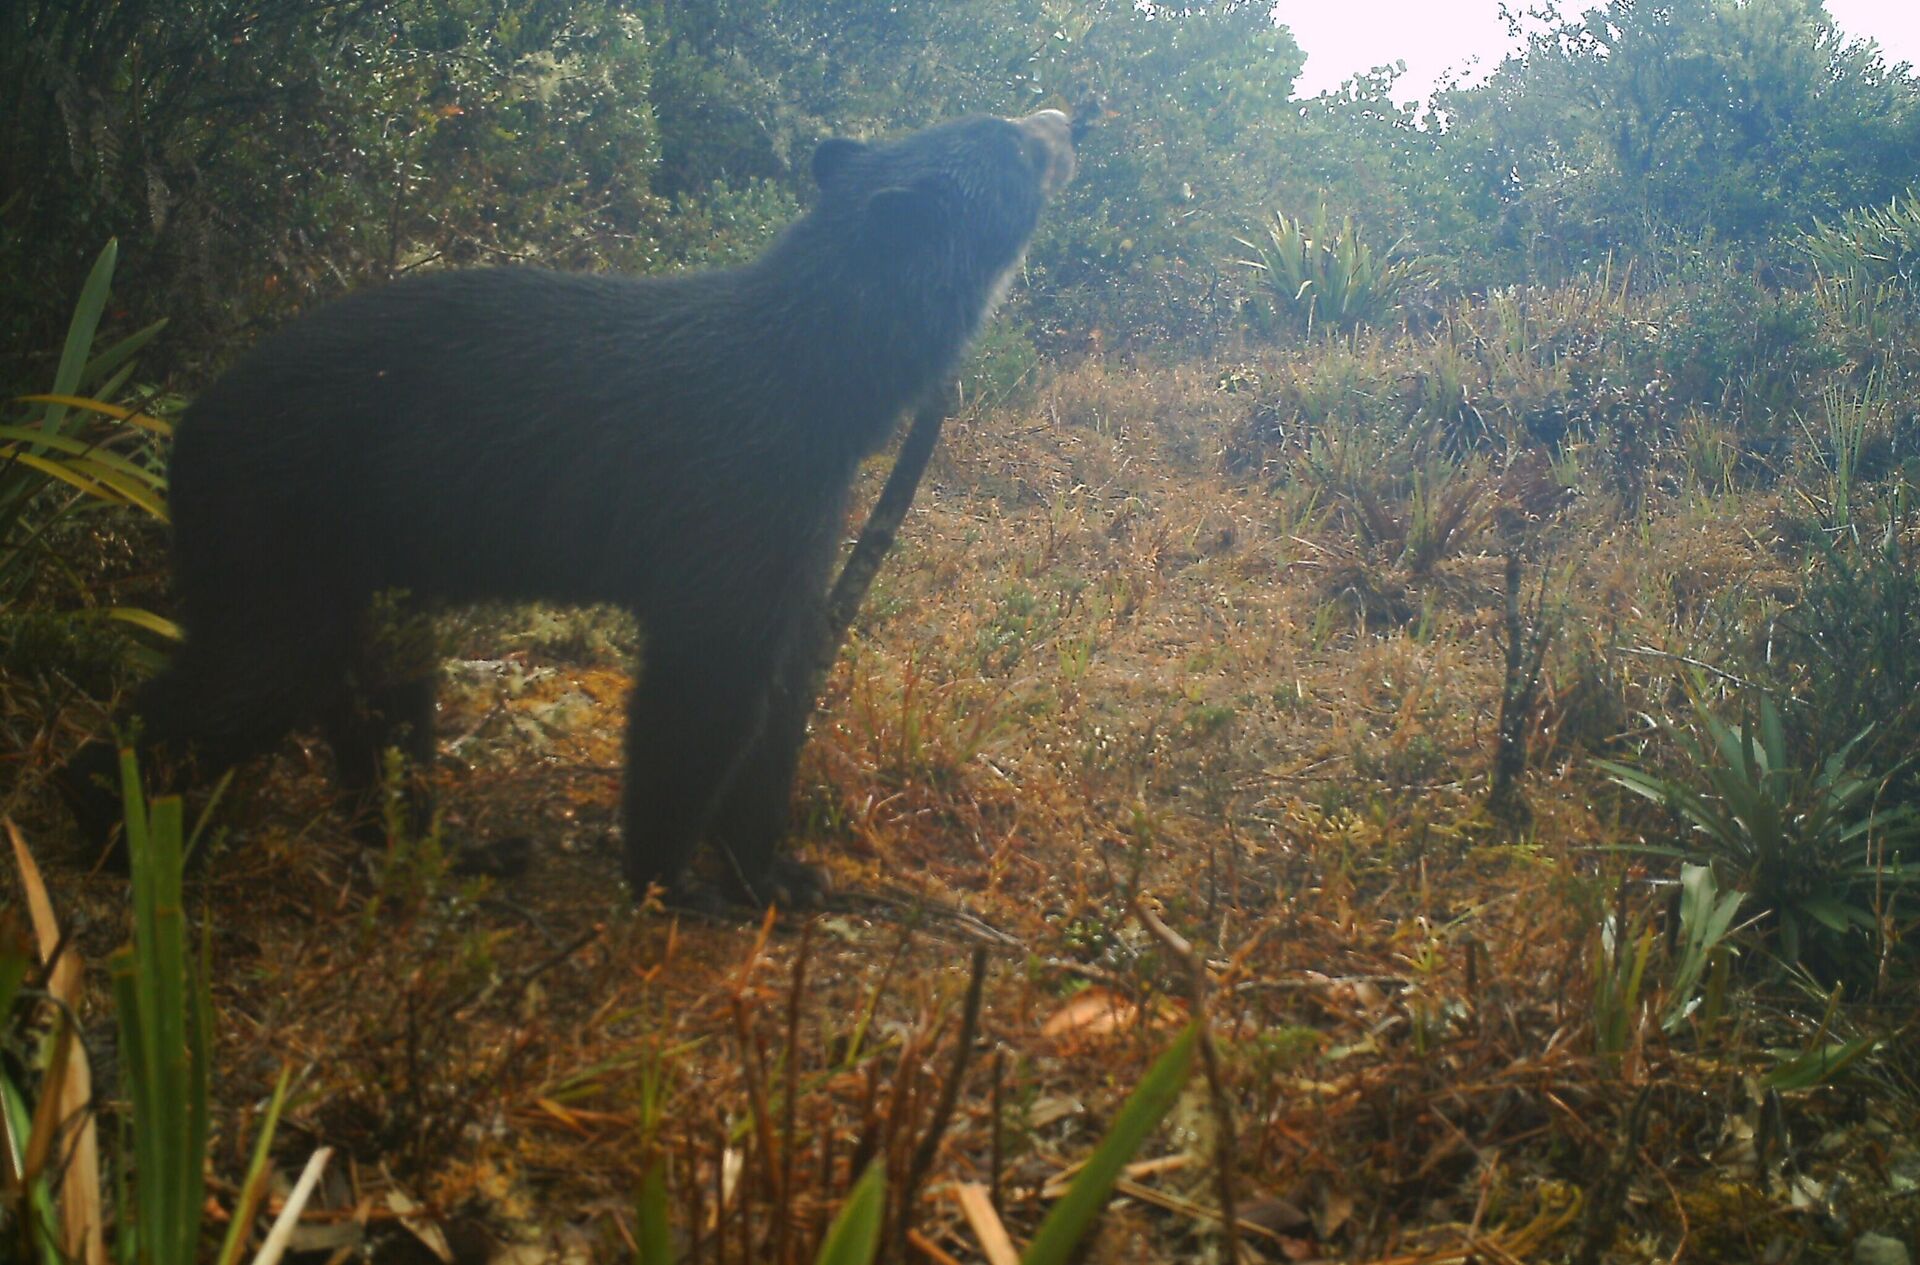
[
  {"x": 1320, "y": 273},
  {"x": 1869, "y": 257},
  {"x": 1810, "y": 845}
]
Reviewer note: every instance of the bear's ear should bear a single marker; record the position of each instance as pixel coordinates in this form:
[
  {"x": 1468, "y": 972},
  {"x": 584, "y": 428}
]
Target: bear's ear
[
  {"x": 831, "y": 158},
  {"x": 900, "y": 215}
]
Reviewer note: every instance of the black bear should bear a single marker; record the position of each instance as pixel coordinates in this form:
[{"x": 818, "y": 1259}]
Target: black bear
[{"x": 679, "y": 446}]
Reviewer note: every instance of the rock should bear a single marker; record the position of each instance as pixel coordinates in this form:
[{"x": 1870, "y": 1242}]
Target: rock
[{"x": 1878, "y": 1249}]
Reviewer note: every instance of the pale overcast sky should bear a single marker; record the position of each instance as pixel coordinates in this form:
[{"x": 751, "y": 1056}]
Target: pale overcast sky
[{"x": 1348, "y": 36}]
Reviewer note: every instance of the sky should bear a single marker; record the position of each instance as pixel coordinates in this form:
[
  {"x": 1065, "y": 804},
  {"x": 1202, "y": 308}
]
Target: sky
[{"x": 1431, "y": 36}]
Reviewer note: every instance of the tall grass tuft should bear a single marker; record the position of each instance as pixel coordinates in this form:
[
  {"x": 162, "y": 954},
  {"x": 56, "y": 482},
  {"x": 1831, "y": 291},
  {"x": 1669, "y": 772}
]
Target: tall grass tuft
[{"x": 165, "y": 1017}]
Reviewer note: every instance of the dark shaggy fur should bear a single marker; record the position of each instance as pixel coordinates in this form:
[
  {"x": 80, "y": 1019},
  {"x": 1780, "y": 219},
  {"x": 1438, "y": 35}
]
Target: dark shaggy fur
[{"x": 678, "y": 446}]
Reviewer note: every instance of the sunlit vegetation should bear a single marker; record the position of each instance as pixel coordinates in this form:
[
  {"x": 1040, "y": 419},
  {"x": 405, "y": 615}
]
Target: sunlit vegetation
[{"x": 1396, "y": 713}]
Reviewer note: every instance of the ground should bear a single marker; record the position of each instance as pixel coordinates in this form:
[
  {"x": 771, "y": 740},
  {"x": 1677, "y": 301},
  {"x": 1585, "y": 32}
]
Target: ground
[{"x": 1108, "y": 667}]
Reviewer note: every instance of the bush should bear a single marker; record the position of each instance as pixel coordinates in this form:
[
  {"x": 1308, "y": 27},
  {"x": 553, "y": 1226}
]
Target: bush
[
  {"x": 1003, "y": 365},
  {"x": 1729, "y": 343},
  {"x": 259, "y": 155},
  {"x": 66, "y": 449},
  {"x": 728, "y": 225}
]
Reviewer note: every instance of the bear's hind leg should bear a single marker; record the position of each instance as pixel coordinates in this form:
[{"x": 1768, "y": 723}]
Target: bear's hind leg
[
  {"x": 362, "y": 725},
  {"x": 225, "y": 698}
]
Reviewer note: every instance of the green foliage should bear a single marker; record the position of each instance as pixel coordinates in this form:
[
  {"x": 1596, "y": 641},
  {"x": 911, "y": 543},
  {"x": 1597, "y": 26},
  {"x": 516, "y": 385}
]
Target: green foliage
[
  {"x": 1194, "y": 132},
  {"x": 727, "y": 225},
  {"x": 1867, "y": 274},
  {"x": 1811, "y": 845},
  {"x": 165, "y": 1024},
  {"x": 1619, "y": 974},
  {"x": 852, "y": 1239},
  {"x": 1406, "y": 503},
  {"x": 1851, "y": 418},
  {"x": 1870, "y": 256},
  {"x": 1822, "y": 1065},
  {"x": 256, "y": 154},
  {"x": 29, "y": 1220},
  {"x": 1320, "y": 273},
  {"x": 1856, "y": 635},
  {"x": 164, "y": 1018},
  {"x": 1728, "y": 342},
  {"x": 1067, "y": 1224},
  {"x": 253, "y": 1187},
  {"x": 653, "y": 1225},
  {"x": 1003, "y": 366},
  {"x": 854, "y": 1236},
  {"x": 69, "y": 449},
  {"x": 1635, "y": 124},
  {"x": 1194, "y": 128},
  {"x": 1706, "y": 919},
  {"x": 1753, "y": 353}
]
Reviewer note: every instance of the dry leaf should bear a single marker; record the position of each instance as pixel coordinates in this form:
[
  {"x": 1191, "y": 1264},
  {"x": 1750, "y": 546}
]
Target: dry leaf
[{"x": 1092, "y": 1012}]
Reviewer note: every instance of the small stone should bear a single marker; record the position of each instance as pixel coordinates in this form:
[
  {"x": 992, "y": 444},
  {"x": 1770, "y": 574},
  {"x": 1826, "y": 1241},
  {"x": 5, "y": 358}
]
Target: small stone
[{"x": 1878, "y": 1249}]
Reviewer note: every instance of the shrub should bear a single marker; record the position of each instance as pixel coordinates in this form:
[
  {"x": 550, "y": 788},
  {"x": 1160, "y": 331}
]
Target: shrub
[
  {"x": 727, "y": 225},
  {"x": 67, "y": 448},
  {"x": 1730, "y": 343}
]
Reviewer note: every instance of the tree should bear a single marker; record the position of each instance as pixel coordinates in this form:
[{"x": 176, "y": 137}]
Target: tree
[
  {"x": 1640, "y": 122},
  {"x": 251, "y": 154}
]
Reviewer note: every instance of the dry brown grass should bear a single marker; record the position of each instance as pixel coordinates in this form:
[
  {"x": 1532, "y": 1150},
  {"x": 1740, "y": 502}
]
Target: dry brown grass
[{"x": 1099, "y": 660}]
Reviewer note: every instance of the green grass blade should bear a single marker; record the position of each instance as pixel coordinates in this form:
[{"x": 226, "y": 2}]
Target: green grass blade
[
  {"x": 1818, "y": 1067},
  {"x": 1641, "y": 783},
  {"x": 158, "y": 624},
  {"x": 45, "y": 443},
  {"x": 653, "y": 1232},
  {"x": 39, "y": 1200},
  {"x": 118, "y": 382},
  {"x": 199, "y": 987},
  {"x": 854, "y": 1237},
  {"x": 80, "y": 331},
  {"x": 254, "y": 1188},
  {"x": 120, "y": 487},
  {"x": 1061, "y": 1232},
  {"x": 102, "y": 367},
  {"x": 61, "y": 470},
  {"x": 166, "y": 1027}
]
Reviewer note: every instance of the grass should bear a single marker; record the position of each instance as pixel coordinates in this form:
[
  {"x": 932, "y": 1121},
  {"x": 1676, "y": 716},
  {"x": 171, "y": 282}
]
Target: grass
[
  {"x": 1119, "y": 651},
  {"x": 51, "y": 1193}
]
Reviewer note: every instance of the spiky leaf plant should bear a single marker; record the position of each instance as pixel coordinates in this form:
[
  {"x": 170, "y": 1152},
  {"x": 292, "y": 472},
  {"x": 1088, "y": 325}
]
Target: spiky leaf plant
[{"x": 1811, "y": 845}]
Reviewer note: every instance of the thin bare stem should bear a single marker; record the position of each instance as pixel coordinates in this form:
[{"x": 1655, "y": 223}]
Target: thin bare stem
[
  {"x": 1225, "y": 1151},
  {"x": 923, "y": 1155}
]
